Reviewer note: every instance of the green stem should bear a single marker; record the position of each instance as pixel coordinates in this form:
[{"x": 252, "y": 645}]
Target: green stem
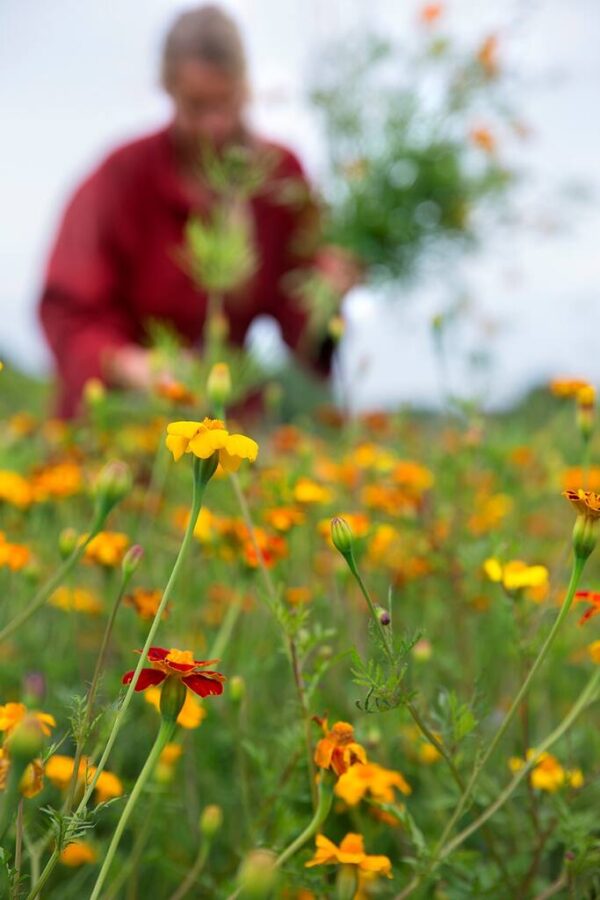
[
  {"x": 92, "y": 691},
  {"x": 55, "y": 581},
  {"x": 585, "y": 698},
  {"x": 576, "y": 571},
  {"x": 192, "y": 876},
  {"x": 165, "y": 733},
  {"x": 198, "y": 492},
  {"x": 382, "y": 635},
  {"x": 325, "y": 797}
]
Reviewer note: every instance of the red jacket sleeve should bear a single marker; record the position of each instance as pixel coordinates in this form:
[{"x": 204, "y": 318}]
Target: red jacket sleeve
[
  {"x": 302, "y": 234},
  {"x": 82, "y": 310}
]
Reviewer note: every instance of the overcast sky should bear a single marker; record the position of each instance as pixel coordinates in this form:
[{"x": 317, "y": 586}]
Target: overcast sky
[{"x": 77, "y": 78}]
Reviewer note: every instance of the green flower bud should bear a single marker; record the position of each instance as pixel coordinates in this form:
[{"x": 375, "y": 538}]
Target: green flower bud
[
  {"x": 67, "y": 541},
  {"x": 112, "y": 484},
  {"x": 211, "y": 821},
  {"x": 341, "y": 535},
  {"x": 218, "y": 385},
  {"x": 172, "y": 698},
  {"x": 346, "y": 883},
  {"x": 237, "y": 689},
  {"x": 584, "y": 536},
  {"x": 132, "y": 559},
  {"x": 257, "y": 877},
  {"x": 208, "y": 467},
  {"x": 26, "y": 740}
]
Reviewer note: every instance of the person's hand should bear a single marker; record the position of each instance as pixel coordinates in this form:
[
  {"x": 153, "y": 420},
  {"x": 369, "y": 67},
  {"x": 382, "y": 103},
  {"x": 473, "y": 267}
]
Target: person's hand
[
  {"x": 340, "y": 269},
  {"x": 129, "y": 367}
]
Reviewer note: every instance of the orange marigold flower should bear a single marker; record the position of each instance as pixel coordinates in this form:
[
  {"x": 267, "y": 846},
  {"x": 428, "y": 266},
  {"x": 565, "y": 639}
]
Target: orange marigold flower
[
  {"x": 32, "y": 780},
  {"x": 487, "y": 56},
  {"x": 587, "y": 503},
  {"x": 76, "y": 599},
  {"x": 145, "y": 602},
  {"x": 430, "y": 13},
  {"x": 567, "y": 387},
  {"x": 178, "y": 664},
  {"x": 107, "y": 548},
  {"x": 338, "y": 750},
  {"x": 14, "y": 556},
  {"x": 350, "y": 852},
  {"x": 210, "y": 436},
  {"x": 77, "y": 854},
  {"x": 59, "y": 770},
  {"x": 548, "y": 774},
  {"x": 175, "y": 391},
  {"x": 15, "y": 489},
  {"x": 483, "y": 138},
  {"x": 369, "y": 778}
]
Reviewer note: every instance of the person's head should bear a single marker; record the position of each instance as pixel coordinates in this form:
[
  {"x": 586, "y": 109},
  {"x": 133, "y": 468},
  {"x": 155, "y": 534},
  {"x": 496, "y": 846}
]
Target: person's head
[{"x": 204, "y": 72}]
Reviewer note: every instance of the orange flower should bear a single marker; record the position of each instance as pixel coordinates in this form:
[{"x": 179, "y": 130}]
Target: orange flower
[
  {"x": 483, "y": 138},
  {"x": 587, "y": 503},
  {"x": 77, "y": 600},
  {"x": 178, "y": 664},
  {"x": 487, "y": 56},
  {"x": 592, "y": 597},
  {"x": 145, "y": 602},
  {"x": 370, "y": 778},
  {"x": 59, "y": 770},
  {"x": 12, "y": 714},
  {"x": 13, "y": 556},
  {"x": 77, "y": 854},
  {"x": 567, "y": 387},
  {"x": 350, "y": 852},
  {"x": 430, "y": 13},
  {"x": 338, "y": 750},
  {"x": 107, "y": 548}
]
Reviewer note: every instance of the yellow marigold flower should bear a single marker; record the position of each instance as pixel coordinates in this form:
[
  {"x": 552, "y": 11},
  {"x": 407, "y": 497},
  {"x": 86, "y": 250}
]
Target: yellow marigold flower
[
  {"x": 548, "y": 774},
  {"x": 202, "y": 439},
  {"x": 370, "y": 778},
  {"x": 516, "y": 575},
  {"x": 283, "y": 518},
  {"x": 107, "y": 548},
  {"x": 308, "y": 491},
  {"x": 32, "y": 780},
  {"x": 170, "y": 754},
  {"x": 59, "y": 770},
  {"x": 60, "y": 480},
  {"x": 594, "y": 651},
  {"x": 192, "y": 712},
  {"x": 567, "y": 387},
  {"x": 586, "y": 503},
  {"x": 338, "y": 750},
  {"x": 15, "y": 489},
  {"x": 350, "y": 852},
  {"x": 12, "y": 714},
  {"x": 77, "y": 854},
  {"x": 76, "y": 599},
  {"x": 298, "y": 595}
]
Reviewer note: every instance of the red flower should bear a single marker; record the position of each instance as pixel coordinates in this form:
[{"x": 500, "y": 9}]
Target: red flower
[
  {"x": 592, "y": 597},
  {"x": 180, "y": 664}
]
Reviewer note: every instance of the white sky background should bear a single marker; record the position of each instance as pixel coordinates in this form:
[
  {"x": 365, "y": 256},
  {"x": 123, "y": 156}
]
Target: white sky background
[{"x": 78, "y": 78}]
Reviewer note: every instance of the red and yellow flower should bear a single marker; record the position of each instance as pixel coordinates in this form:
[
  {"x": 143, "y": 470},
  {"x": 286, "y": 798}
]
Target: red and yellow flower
[
  {"x": 178, "y": 664},
  {"x": 338, "y": 750}
]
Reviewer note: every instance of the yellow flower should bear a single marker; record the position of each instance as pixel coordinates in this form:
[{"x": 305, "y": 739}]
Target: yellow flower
[
  {"x": 59, "y": 769},
  {"x": 11, "y": 714},
  {"x": 77, "y": 854},
  {"x": 587, "y": 503},
  {"x": 516, "y": 575},
  {"x": 77, "y": 599},
  {"x": 192, "y": 712},
  {"x": 547, "y": 774},
  {"x": 108, "y": 785},
  {"x": 107, "y": 548},
  {"x": 594, "y": 651},
  {"x": 363, "y": 778},
  {"x": 15, "y": 489},
  {"x": 350, "y": 852},
  {"x": 567, "y": 387},
  {"x": 308, "y": 491},
  {"x": 202, "y": 439}
]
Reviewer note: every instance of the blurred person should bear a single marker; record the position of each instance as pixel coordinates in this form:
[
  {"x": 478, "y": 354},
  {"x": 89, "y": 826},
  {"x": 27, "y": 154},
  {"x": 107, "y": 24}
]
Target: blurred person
[{"x": 116, "y": 261}]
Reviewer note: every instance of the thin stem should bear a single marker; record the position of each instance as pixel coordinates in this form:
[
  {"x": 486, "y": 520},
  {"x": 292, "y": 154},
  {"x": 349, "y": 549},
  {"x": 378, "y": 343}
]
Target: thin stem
[
  {"x": 192, "y": 876},
  {"x": 165, "y": 733},
  {"x": 18, "y": 851},
  {"x": 198, "y": 492},
  {"x": 577, "y": 569},
  {"x": 325, "y": 797},
  {"x": 55, "y": 581},
  {"x": 92, "y": 691}
]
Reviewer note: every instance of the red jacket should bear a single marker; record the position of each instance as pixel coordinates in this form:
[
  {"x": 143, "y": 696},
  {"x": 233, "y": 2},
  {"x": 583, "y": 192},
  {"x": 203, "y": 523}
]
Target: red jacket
[{"x": 115, "y": 264}]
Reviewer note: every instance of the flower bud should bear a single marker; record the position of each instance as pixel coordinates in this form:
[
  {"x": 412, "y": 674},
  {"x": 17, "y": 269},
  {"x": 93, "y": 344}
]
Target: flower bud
[
  {"x": 586, "y": 399},
  {"x": 172, "y": 698},
  {"x": 208, "y": 467},
  {"x": 26, "y": 740},
  {"x": 237, "y": 689},
  {"x": 218, "y": 385},
  {"x": 383, "y": 615},
  {"x": 94, "y": 393},
  {"x": 211, "y": 821},
  {"x": 341, "y": 535},
  {"x": 257, "y": 877},
  {"x": 68, "y": 539},
  {"x": 584, "y": 536},
  {"x": 112, "y": 484},
  {"x": 132, "y": 559},
  {"x": 346, "y": 883}
]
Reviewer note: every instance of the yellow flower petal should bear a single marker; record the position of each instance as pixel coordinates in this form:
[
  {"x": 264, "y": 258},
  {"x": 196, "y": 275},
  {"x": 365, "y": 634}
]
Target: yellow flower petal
[{"x": 205, "y": 443}]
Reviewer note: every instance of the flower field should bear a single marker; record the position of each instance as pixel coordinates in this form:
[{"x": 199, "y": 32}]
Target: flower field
[{"x": 331, "y": 658}]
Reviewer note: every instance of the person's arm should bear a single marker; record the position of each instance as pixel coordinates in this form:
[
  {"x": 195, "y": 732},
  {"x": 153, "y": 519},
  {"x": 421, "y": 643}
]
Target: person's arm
[{"x": 82, "y": 309}]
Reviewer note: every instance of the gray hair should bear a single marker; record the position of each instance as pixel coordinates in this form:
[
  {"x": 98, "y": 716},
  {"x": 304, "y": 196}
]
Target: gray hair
[{"x": 208, "y": 34}]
